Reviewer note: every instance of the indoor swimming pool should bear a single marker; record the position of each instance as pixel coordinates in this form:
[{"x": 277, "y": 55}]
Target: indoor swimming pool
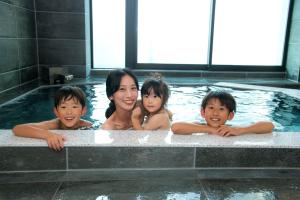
[
  {"x": 252, "y": 105},
  {"x": 104, "y": 165}
]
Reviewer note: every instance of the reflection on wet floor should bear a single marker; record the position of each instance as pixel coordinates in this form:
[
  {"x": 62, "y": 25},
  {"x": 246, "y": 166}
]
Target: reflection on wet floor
[{"x": 166, "y": 189}]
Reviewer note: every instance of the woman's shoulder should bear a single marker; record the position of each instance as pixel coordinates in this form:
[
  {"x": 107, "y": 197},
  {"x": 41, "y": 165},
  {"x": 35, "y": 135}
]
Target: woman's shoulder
[{"x": 108, "y": 125}]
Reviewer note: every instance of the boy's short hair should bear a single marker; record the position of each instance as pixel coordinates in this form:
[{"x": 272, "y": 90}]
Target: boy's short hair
[
  {"x": 67, "y": 93},
  {"x": 225, "y": 98}
]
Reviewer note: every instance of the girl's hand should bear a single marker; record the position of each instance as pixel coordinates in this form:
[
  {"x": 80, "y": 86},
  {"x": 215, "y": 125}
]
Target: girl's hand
[{"x": 137, "y": 112}]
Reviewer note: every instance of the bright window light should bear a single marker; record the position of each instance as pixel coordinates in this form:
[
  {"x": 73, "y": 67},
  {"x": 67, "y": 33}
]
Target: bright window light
[
  {"x": 109, "y": 33},
  {"x": 249, "y": 32},
  {"x": 173, "y": 31}
]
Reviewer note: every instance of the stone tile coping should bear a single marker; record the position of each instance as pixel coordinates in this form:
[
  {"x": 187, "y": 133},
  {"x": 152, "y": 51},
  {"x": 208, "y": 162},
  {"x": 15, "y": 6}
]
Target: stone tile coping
[{"x": 103, "y": 138}]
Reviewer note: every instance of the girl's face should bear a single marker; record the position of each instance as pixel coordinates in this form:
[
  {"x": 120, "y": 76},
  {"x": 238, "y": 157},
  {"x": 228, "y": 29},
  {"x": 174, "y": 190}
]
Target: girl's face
[
  {"x": 152, "y": 102},
  {"x": 125, "y": 97}
]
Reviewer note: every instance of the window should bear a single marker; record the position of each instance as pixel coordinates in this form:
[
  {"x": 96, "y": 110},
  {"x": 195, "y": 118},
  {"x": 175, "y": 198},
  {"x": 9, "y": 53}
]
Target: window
[
  {"x": 108, "y": 33},
  {"x": 249, "y": 32},
  {"x": 179, "y": 33},
  {"x": 173, "y": 31}
]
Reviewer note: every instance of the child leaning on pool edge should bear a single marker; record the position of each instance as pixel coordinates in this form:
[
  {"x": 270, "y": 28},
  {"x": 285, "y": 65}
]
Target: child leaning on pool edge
[
  {"x": 217, "y": 107},
  {"x": 150, "y": 113},
  {"x": 69, "y": 107}
]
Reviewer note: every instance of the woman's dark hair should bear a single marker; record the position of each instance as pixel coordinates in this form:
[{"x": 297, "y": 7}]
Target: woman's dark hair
[
  {"x": 159, "y": 87},
  {"x": 67, "y": 93},
  {"x": 113, "y": 82},
  {"x": 224, "y": 97}
]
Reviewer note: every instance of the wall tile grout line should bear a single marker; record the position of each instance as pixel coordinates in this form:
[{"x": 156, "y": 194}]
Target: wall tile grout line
[
  {"x": 36, "y": 40},
  {"x": 195, "y": 154},
  {"x": 56, "y": 191},
  {"x": 67, "y": 158}
]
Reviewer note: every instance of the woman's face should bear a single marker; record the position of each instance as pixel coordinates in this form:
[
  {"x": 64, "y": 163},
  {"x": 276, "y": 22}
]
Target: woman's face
[{"x": 125, "y": 97}]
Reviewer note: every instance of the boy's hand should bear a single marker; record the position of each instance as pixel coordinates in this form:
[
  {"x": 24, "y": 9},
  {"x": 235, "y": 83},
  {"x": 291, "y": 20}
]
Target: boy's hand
[
  {"x": 55, "y": 141},
  {"x": 228, "y": 131}
]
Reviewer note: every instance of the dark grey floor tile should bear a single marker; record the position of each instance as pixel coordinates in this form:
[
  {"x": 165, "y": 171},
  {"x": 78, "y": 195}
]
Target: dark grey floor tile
[
  {"x": 101, "y": 175},
  {"x": 31, "y": 158},
  {"x": 247, "y": 157},
  {"x": 7, "y": 22},
  {"x": 148, "y": 189},
  {"x": 252, "y": 189},
  {"x": 234, "y": 173},
  {"x": 61, "y": 52},
  {"x": 28, "y": 191},
  {"x": 32, "y": 177},
  {"x": 60, "y": 5},
  {"x": 25, "y": 23},
  {"x": 129, "y": 157},
  {"x": 8, "y": 55},
  {"x": 60, "y": 25}
]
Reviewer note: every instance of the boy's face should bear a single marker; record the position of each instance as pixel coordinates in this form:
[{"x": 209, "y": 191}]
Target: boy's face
[
  {"x": 152, "y": 102},
  {"x": 69, "y": 112},
  {"x": 216, "y": 114}
]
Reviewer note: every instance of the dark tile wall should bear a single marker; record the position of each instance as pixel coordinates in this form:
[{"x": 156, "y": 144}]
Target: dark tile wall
[
  {"x": 61, "y": 35},
  {"x": 293, "y": 57},
  {"x": 16, "y": 158},
  {"x": 18, "y": 46}
]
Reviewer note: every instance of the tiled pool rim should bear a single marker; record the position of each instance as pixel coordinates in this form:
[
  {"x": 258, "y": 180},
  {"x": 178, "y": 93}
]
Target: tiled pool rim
[
  {"x": 126, "y": 154},
  {"x": 118, "y": 154}
]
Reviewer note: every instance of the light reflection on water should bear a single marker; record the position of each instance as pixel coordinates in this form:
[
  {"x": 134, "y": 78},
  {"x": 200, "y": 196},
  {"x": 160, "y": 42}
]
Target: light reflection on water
[{"x": 252, "y": 106}]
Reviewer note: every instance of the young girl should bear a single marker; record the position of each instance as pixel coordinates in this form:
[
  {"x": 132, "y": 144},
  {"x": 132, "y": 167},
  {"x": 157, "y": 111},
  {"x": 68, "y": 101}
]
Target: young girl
[{"x": 151, "y": 113}]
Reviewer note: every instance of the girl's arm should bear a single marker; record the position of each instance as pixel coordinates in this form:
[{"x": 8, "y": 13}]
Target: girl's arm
[
  {"x": 158, "y": 121},
  {"x": 185, "y": 128},
  {"x": 136, "y": 118},
  {"x": 41, "y": 130}
]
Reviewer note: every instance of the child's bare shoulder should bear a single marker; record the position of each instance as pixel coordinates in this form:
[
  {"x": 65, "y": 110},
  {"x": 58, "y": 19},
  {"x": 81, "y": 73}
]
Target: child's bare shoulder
[
  {"x": 85, "y": 123},
  {"x": 49, "y": 124}
]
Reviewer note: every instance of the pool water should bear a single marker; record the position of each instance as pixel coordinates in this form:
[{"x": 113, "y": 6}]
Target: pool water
[{"x": 252, "y": 106}]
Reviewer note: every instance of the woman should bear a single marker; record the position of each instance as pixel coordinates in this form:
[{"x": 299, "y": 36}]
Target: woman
[{"x": 122, "y": 91}]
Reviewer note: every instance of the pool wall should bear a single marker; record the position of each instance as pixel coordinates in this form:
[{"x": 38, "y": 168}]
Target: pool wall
[{"x": 93, "y": 155}]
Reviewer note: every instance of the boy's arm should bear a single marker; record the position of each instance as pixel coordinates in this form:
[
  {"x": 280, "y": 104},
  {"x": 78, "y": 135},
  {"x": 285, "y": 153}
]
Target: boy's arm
[
  {"x": 186, "y": 128},
  {"x": 41, "y": 130},
  {"x": 85, "y": 123},
  {"x": 258, "y": 128}
]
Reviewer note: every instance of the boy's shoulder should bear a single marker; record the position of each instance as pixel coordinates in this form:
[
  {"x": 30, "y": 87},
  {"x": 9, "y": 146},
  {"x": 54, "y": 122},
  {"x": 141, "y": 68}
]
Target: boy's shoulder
[
  {"x": 50, "y": 124},
  {"x": 85, "y": 125}
]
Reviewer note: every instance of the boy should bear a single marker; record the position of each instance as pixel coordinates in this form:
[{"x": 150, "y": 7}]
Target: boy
[
  {"x": 217, "y": 107},
  {"x": 69, "y": 106}
]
